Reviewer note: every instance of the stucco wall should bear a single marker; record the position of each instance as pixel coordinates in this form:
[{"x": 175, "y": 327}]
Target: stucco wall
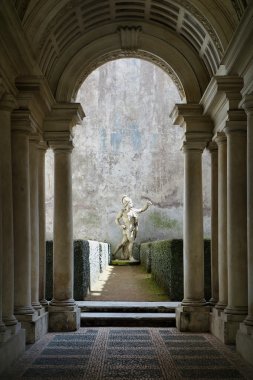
[{"x": 127, "y": 145}]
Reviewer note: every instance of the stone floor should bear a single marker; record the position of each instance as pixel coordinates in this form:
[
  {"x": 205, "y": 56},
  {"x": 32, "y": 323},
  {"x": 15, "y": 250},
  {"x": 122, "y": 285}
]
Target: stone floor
[{"x": 129, "y": 353}]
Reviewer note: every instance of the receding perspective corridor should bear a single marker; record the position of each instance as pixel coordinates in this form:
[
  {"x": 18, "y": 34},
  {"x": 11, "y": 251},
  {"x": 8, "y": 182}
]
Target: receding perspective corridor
[
  {"x": 165, "y": 179},
  {"x": 134, "y": 354}
]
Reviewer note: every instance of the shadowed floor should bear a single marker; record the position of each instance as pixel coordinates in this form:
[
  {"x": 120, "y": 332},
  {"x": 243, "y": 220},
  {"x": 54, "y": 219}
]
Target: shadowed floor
[
  {"x": 126, "y": 283},
  {"x": 129, "y": 354}
]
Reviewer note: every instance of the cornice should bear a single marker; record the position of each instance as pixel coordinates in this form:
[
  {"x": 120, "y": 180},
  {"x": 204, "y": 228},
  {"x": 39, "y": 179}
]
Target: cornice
[{"x": 63, "y": 117}]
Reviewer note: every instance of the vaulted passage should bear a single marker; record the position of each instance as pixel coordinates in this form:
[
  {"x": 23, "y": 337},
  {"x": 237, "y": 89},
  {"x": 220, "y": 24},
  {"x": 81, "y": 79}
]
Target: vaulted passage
[{"x": 47, "y": 49}]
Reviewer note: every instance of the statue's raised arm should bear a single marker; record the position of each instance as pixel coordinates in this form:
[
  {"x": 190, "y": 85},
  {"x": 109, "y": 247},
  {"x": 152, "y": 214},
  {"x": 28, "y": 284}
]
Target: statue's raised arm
[{"x": 127, "y": 219}]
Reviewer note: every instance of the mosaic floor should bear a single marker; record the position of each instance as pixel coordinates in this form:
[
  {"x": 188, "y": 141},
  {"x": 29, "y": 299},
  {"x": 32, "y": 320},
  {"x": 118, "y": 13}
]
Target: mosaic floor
[{"x": 129, "y": 353}]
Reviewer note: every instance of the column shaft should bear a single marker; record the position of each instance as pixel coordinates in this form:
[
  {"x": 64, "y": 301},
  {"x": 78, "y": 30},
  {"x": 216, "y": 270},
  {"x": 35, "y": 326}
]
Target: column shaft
[
  {"x": 193, "y": 229},
  {"x": 34, "y": 215},
  {"x": 22, "y": 233},
  {"x": 7, "y": 105},
  {"x": 42, "y": 225},
  {"x": 249, "y": 109},
  {"x": 237, "y": 222},
  {"x": 63, "y": 229},
  {"x": 214, "y": 223},
  {"x": 222, "y": 223}
]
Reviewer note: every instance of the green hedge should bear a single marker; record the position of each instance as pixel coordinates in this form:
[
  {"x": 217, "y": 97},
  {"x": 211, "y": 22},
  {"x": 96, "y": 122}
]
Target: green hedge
[
  {"x": 164, "y": 259},
  {"x": 82, "y": 260}
]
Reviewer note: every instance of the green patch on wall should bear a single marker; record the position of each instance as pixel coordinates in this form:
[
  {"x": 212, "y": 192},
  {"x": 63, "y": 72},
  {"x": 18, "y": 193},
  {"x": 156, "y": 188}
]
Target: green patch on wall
[{"x": 162, "y": 221}]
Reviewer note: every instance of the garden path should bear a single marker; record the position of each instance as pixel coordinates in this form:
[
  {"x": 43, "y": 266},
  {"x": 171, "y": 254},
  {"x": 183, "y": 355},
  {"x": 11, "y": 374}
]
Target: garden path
[{"x": 126, "y": 283}]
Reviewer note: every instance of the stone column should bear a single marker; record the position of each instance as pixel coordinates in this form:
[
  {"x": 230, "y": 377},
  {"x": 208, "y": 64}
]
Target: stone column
[
  {"x": 25, "y": 205},
  {"x": 236, "y": 309},
  {"x": 21, "y": 128},
  {"x": 63, "y": 312},
  {"x": 34, "y": 215},
  {"x": 244, "y": 338},
  {"x": 42, "y": 225},
  {"x": 6, "y": 106},
  {"x": 193, "y": 316},
  {"x": 221, "y": 141},
  {"x": 213, "y": 149}
]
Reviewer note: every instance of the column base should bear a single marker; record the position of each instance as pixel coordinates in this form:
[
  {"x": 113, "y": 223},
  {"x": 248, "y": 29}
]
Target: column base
[
  {"x": 12, "y": 348},
  {"x": 64, "y": 318},
  {"x": 190, "y": 318},
  {"x": 36, "y": 325},
  {"x": 225, "y": 326},
  {"x": 244, "y": 342}
]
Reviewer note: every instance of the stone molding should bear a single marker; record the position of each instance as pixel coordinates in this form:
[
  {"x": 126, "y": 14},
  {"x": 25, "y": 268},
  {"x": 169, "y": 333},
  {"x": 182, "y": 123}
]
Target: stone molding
[
  {"x": 7, "y": 102},
  {"x": 35, "y": 95},
  {"x": 222, "y": 94},
  {"x": 212, "y": 146},
  {"x": 220, "y": 138},
  {"x": 130, "y": 37},
  {"x": 133, "y": 54},
  {"x": 237, "y": 122},
  {"x": 247, "y": 103},
  {"x": 23, "y": 122},
  {"x": 63, "y": 117}
]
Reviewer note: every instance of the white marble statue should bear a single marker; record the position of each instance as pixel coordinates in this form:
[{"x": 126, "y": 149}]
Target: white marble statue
[{"x": 129, "y": 217}]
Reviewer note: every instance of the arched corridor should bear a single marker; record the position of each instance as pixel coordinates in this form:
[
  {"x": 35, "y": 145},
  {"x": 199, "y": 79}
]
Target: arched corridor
[{"x": 47, "y": 49}]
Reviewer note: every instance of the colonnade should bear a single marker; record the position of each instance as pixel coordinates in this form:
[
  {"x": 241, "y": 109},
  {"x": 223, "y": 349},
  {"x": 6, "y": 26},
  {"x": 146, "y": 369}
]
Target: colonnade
[
  {"x": 228, "y": 136},
  {"x": 25, "y": 135}
]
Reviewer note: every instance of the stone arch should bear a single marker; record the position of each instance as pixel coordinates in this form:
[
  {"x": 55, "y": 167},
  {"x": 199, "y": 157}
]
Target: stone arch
[{"x": 162, "y": 48}]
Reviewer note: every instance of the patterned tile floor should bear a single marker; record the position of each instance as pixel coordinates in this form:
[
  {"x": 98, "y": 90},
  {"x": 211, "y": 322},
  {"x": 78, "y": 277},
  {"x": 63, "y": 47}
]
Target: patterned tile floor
[{"x": 129, "y": 353}]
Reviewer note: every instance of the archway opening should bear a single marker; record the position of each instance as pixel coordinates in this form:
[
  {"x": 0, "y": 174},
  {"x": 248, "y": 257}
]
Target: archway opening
[{"x": 127, "y": 145}]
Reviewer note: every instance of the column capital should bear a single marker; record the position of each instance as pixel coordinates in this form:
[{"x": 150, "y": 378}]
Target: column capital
[
  {"x": 222, "y": 88},
  {"x": 247, "y": 103},
  {"x": 193, "y": 144},
  {"x": 43, "y": 146},
  {"x": 198, "y": 127},
  {"x": 59, "y": 141},
  {"x": 220, "y": 138},
  {"x": 63, "y": 117},
  {"x": 23, "y": 122},
  {"x": 237, "y": 122},
  {"x": 212, "y": 146},
  {"x": 8, "y": 103}
]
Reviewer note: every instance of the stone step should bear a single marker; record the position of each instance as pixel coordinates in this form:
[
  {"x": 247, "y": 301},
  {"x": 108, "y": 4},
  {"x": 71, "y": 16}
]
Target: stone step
[
  {"x": 128, "y": 319},
  {"x": 128, "y": 307}
]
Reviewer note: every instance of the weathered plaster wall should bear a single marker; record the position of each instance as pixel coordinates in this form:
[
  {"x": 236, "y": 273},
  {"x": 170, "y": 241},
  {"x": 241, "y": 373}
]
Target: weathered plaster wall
[{"x": 127, "y": 145}]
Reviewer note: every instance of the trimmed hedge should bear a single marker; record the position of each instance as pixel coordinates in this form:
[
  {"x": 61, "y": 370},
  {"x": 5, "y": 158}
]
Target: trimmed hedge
[
  {"x": 90, "y": 259},
  {"x": 164, "y": 259}
]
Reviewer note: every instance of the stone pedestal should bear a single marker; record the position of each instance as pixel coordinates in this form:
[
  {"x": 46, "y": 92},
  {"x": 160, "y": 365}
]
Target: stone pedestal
[
  {"x": 195, "y": 319},
  {"x": 64, "y": 318},
  {"x": 36, "y": 325},
  {"x": 224, "y": 326},
  {"x": 12, "y": 348},
  {"x": 244, "y": 342}
]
